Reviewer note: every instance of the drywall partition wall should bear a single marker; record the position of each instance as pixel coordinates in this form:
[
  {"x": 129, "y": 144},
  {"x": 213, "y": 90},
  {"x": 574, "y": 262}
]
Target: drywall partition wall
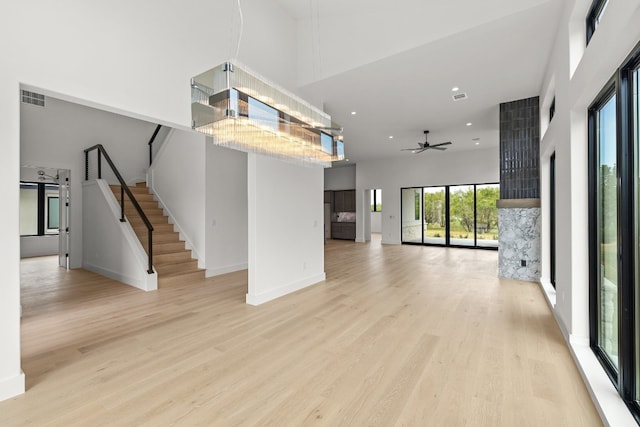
[
  {"x": 32, "y": 246},
  {"x": 75, "y": 51},
  {"x": 376, "y": 222},
  {"x": 286, "y": 236},
  {"x": 226, "y": 216},
  {"x": 112, "y": 247},
  {"x": 55, "y": 136},
  {"x": 340, "y": 178},
  {"x": 437, "y": 168},
  {"x": 577, "y": 74},
  {"x": 177, "y": 179}
]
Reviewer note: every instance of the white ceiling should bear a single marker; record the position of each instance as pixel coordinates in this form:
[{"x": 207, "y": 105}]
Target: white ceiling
[{"x": 395, "y": 63}]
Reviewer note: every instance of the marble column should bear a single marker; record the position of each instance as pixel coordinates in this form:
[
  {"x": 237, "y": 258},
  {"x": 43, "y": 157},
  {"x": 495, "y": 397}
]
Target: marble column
[{"x": 519, "y": 239}]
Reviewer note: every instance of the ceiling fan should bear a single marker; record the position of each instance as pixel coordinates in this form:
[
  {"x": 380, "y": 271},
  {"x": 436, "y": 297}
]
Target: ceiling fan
[{"x": 422, "y": 146}]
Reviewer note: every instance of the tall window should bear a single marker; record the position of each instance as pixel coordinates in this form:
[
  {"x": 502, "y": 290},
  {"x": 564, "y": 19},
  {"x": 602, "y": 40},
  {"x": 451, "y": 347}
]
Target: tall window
[
  {"x": 552, "y": 219},
  {"x": 457, "y": 215},
  {"x": 594, "y": 16},
  {"x": 614, "y": 230},
  {"x": 376, "y": 200},
  {"x": 605, "y": 246}
]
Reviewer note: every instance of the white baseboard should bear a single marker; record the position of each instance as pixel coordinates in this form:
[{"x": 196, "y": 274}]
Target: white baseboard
[
  {"x": 257, "y": 299},
  {"x": 11, "y": 387},
  {"x": 226, "y": 269},
  {"x": 149, "y": 283}
]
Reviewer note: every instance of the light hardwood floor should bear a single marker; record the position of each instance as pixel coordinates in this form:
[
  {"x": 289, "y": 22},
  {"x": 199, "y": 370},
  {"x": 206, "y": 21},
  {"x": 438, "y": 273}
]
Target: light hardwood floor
[{"x": 397, "y": 335}]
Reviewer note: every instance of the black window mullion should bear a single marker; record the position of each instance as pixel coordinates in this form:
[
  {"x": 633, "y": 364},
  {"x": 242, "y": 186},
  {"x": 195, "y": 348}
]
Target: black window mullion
[
  {"x": 475, "y": 215},
  {"x": 626, "y": 235},
  {"x": 552, "y": 219},
  {"x": 41, "y": 206},
  {"x": 447, "y": 228}
]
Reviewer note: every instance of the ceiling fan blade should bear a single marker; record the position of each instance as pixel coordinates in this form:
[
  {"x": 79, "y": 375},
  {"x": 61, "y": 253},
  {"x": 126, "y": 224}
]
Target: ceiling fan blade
[
  {"x": 409, "y": 149},
  {"x": 442, "y": 143},
  {"x": 438, "y": 148},
  {"x": 421, "y": 150}
]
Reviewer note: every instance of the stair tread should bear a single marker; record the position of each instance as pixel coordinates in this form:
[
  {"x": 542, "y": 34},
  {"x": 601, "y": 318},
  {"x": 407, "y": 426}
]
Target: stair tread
[{"x": 172, "y": 259}]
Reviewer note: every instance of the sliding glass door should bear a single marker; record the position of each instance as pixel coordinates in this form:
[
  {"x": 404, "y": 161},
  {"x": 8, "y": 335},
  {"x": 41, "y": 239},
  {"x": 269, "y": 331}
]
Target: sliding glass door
[
  {"x": 487, "y": 196},
  {"x": 456, "y": 215},
  {"x": 412, "y": 215},
  {"x": 462, "y": 218},
  {"x": 435, "y": 217}
]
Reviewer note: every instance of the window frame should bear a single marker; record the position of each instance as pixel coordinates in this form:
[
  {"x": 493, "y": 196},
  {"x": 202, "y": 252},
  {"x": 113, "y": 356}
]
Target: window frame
[
  {"x": 626, "y": 378},
  {"x": 447, "y": 215},
  {"x": 374, "y": 207},
  {"x": 42, "y": 200},
  {"x": 602, "y": 99},
  {"x": 593, "y": 17}
]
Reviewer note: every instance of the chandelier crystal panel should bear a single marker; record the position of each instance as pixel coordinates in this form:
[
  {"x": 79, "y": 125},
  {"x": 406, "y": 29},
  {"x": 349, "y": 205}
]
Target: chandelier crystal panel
[{"x": 246, "y": 112}]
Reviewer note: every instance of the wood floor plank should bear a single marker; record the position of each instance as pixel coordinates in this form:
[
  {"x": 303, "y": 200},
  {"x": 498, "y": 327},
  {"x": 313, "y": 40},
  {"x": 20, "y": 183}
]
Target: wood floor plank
[{"x": 396, "y": 335}]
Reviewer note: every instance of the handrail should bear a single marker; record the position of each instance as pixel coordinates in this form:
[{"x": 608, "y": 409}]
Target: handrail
[
  {"x": 124, "y": 188},
  {"x": 150, "y": 143}
]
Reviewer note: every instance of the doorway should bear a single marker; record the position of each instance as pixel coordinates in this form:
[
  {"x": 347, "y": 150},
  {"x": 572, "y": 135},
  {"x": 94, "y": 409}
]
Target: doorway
[{"x": 44, "y": 213}]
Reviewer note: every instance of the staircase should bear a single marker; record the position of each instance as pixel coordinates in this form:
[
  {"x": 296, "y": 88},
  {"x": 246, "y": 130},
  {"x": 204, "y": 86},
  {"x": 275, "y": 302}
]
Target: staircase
[{"x": 171, "y": 260}]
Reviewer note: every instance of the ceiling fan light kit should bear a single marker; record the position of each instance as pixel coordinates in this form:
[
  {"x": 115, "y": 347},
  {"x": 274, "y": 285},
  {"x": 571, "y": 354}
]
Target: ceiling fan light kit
[{"x": 423, "y": 146}]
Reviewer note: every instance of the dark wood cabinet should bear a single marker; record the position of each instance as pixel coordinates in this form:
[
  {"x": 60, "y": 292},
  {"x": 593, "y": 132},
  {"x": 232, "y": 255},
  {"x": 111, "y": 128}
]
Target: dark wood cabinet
[
  {"x": 344, "y": 201},
  {"x": 343, "y": 230},
  {"x": 349, "y": 201},
  {"x": 338, "y": 201}
]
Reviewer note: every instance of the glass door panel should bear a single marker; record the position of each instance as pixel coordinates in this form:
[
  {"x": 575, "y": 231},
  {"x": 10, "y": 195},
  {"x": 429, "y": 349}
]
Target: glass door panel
[
  {"x": 412, "y": 215},
  {"x": 607, "y": 228},
  {"x": 434, "y": 215},
  {"x": 461, "y": 215},
  {"x": 487, "y": 215}
]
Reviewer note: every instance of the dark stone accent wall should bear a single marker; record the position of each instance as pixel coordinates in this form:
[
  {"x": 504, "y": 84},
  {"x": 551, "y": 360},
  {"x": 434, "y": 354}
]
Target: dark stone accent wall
[{"x": 520, "y": 149}]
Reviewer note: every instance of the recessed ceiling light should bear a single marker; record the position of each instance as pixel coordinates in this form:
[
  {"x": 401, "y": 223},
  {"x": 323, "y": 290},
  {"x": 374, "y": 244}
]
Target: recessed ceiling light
[
  {"x": 477, "y": 143},
  {"x": 455, "y": 89},
  {"x": 469, "y": 124},
  {"x": 390, "y": 136},
  {"x": 347, "y": 160},
  {"x": 353, "y": 113}
]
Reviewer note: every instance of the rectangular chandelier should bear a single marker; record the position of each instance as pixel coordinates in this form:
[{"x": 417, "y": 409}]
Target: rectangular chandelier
[{"x": 246, "y": 112}]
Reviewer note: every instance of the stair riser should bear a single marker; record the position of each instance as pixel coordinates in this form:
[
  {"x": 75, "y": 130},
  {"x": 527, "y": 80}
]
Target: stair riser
[
  {"x": 170, "y": 258},
  {"x": 165, "y": 248},
  {"x": 182, "y": 279},
  {"x": 183, "y": 267}
]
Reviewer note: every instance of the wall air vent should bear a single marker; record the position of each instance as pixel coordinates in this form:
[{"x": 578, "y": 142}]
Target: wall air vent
[
  {"x": 459, "y": 96},
  {"x": 33, "y": 98}
]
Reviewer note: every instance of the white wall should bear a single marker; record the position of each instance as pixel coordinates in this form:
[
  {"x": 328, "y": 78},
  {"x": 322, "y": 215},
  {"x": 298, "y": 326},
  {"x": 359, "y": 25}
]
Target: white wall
[
  {"x": 124, "y": 56},
  {"x": 226, "y": 210},
  {"x": 567, "y": 136},
  {"x": 340, "y": 178},
  {"x": 177, "y": 178},
  {"x": 286, "y": 236},
  {"x": 31, "y": 246},
  {"x": 55, "y": 137},
  {"x": 575, "y": 76},
  {"x": 112, "y": 247},
  {"x": 376, "y": 222},
  {"x": 441, "y": 168}
]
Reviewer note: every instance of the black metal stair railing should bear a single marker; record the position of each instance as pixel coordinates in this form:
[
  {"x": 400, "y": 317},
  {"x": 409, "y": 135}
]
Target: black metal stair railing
[
  {"x": 150, "y": 143},
  {"x": 124, "y": 188}
]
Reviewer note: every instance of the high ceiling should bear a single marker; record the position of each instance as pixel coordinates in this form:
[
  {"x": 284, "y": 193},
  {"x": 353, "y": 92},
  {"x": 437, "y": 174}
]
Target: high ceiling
[{"x": 395, "y": 64}]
